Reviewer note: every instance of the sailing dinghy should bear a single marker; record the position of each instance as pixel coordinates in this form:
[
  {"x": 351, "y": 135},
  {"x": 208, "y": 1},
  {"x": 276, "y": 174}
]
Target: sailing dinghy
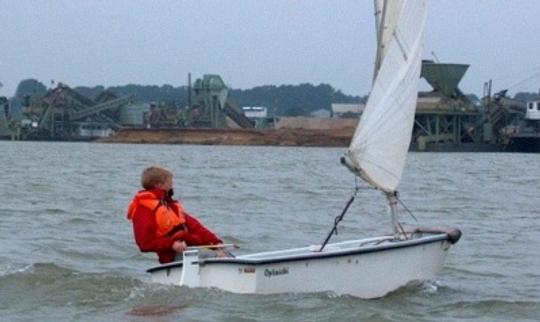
[{"x": 366, "y": 267}]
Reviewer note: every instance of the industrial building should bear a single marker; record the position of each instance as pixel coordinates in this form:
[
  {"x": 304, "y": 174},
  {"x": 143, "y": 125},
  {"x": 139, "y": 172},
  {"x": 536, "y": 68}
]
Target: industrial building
[
  {"x": 262, "y": 116},
  {"x": 347, "y": 110},
  {"x": 445, "y": 118},
  {"x": 5, "y": 131},
  {"x": 209, "y": 106},
  {"x": 64, "y": 114}
]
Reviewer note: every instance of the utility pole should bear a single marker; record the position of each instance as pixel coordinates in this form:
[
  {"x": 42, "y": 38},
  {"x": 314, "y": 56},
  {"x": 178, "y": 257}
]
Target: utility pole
[{"x": 189, "y": 90}]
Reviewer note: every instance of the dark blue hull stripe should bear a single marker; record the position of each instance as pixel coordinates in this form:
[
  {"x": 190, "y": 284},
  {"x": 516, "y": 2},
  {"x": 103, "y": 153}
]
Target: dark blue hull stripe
[{"x": 312, "y": 256}]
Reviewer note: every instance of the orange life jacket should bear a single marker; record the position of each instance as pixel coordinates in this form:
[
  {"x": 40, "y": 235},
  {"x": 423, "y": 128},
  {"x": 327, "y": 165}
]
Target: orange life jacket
[{"x": 169, "y": 222}]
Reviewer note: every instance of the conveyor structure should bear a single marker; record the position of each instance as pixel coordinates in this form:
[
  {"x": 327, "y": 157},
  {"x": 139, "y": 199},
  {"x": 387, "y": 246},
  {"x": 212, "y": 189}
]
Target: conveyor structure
[
  {"x": 445, "y": 115},
  {"x": 64, "y": 114}
]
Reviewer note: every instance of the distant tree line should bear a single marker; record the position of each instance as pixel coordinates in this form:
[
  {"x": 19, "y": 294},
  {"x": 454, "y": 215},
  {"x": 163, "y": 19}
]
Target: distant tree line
[
  {"x": 525, "y": 97},
  {"x": 286, "y": 100},
  {"x": 293, "y": 100},
  {"x": 289, "y": 100}
]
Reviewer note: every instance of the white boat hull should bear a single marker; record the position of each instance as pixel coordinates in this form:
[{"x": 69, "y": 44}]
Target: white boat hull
[{"x": 366, "y": 268}]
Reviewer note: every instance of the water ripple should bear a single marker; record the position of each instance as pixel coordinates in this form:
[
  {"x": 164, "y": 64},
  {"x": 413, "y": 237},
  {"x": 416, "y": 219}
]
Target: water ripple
[{"x": 67, "y": 250}]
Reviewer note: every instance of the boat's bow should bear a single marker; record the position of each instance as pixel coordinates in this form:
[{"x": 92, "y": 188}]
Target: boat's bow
[{"x": 453, "y": 234}]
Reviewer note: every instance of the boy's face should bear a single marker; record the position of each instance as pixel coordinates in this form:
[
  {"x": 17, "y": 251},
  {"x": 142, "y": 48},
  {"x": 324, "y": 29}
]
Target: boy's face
[{"x": 167, "y": 185}]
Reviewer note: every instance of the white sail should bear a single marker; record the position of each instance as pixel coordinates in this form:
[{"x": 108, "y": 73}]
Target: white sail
[{"x": 380, "y": 143}]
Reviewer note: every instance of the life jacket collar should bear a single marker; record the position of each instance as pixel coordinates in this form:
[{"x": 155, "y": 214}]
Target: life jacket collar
[{"x": 169, "y": 214}]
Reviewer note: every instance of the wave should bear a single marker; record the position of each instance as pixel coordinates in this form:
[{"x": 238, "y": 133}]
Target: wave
[
  {"x": 72, "y": 294},
  {"x": 491, "y": 303},
  {"x": 55, "y": 211},
  {"x": 13, "y": 269},
  {"x": 491, "y": 309},
  {"x": 470, "y": 273},
  {"x": 420, "y": 288},
  {"x": 79, "y": 221},
  {"x": 47, "y": 283}
]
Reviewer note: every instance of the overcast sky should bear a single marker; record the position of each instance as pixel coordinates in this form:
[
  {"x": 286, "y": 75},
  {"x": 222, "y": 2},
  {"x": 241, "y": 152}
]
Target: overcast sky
[{"x": 255, "y": 42}]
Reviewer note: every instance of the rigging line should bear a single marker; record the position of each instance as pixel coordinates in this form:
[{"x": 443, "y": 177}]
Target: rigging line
[
  {"x": 340, "y": 217},
  {"x": 533, "y": 76},
  {"x": 405, "y": 207},
  {"x": 516, "y": 74},
  {"x": 402, "y": 230}
]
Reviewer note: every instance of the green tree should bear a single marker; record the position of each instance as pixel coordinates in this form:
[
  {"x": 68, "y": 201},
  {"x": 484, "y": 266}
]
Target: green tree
[
  {"x": 29, "y": 87},
  {"x": 289, "y": 100},
  {"x": 525, "y": 97}
]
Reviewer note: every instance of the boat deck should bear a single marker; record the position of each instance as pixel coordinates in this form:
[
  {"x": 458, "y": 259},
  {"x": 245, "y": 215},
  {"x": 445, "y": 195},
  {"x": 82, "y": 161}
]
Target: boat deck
[{"x": 352, "y": 247}]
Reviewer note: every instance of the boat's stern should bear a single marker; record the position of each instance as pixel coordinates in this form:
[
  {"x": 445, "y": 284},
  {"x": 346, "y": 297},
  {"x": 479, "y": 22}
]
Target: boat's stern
[
  {"x": 194, "y": 271},
  {"x": 169, "y": 274},
  {"x": 185, "y": 272}
]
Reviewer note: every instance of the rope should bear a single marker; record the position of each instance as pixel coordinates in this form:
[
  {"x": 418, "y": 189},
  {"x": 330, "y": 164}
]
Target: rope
[
  {"x": 533, "y": 76},
  {"x": 405, "y": 207},
  {"x": 340, "y": 217},
  {"x": 402, "y": 230}
]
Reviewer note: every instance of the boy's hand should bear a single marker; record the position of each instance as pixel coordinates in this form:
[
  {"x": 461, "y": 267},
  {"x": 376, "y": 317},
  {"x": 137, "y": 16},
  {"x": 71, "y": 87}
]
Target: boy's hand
[
  {"x": 179, "y": 246},
  {"x": 221, "y": 253}
]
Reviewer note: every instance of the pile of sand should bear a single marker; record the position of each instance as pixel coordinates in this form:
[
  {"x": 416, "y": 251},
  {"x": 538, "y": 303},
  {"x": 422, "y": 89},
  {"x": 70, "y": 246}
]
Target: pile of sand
[{"x": 276, "y": 137}]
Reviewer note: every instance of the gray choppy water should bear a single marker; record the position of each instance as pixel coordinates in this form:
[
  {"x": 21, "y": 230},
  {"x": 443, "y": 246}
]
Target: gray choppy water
[{"x": 67, "y": 251}]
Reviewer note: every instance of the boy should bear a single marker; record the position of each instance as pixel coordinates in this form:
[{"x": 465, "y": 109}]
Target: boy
[{"x": 160, "y": 223}]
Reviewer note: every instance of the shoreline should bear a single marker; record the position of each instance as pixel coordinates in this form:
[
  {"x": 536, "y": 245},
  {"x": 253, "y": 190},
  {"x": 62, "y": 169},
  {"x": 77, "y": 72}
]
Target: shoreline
[
  {"x": 268, "y": 137},
  {"x": 263, "y": 137},
  {"x": 286, "y": 137}
]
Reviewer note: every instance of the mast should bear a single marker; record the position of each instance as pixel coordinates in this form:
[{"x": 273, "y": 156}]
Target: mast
[
  {"x": 392, "y": 203},
  {"x": 380, "y": 19}
]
